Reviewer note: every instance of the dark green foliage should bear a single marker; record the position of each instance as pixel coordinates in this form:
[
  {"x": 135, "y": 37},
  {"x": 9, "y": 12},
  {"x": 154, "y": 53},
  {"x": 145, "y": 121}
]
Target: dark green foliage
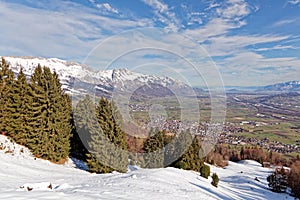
[
  {"x": 78, "y": 149},
  {"x": 6, "y": 84},
  {"x": 205, "y": 171},
  {"x": 101, "y": 135},
  {"x": 215, "y": 180},
  {"x": 17, "y": 126},
  {"x": 115, "y": 148},
  {"x": 278, "y": 180},
  {"x": 36, "y": 114},
  {"x": 50, "y": 116},
  {"x": 176, "y": 148},
  {"x": 191, "y": 159},
  {"x": 154, "y": 149}
]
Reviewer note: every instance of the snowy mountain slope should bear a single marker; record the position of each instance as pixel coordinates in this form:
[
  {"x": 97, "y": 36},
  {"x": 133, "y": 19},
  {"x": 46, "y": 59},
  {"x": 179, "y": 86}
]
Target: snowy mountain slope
[
  {"x": 80, "y": 79},
  {"x": 21, "y": 172},
  {"x": 290, "y": 86}
]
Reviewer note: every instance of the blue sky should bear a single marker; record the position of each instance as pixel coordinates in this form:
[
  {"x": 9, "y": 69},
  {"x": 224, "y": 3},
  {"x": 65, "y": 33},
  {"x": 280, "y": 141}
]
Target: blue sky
[{"x": 253, "y": 42}]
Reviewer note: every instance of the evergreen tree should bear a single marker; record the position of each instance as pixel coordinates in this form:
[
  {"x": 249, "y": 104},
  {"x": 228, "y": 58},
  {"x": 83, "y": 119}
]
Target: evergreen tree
[
  {"x": 110, "y": 121},
  {"x": 154, "y": 149},
  {"x": 175, "y": 150},
  {"x": 17, "y": 127},
  {"x": 86, "y": 124},
  {"x": 78, "y": 148},
  {"x": 191, "y": 159},
  {"x": 278, "y": 180},
  {"x": 101, "y": 134},
  {"x": 6, "y": 84},
  {"x": 215, "y": 180},
  {"x": 49, "y": 113}
]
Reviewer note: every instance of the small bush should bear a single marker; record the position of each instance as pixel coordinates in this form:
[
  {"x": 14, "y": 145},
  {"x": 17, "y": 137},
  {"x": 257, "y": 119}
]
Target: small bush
[
  {"x": 181, "y": 165},
  {"x": 215, "y": 180},
  {"x": 205, "y": 171}
]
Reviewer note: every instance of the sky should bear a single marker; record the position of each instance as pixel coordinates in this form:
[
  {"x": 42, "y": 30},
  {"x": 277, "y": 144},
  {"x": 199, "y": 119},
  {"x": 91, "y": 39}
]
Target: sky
[{"x": 240, "y": 43}]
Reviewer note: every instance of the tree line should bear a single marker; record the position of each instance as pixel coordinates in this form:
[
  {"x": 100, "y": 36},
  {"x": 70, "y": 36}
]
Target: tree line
[{"x": 36, "y": 113}]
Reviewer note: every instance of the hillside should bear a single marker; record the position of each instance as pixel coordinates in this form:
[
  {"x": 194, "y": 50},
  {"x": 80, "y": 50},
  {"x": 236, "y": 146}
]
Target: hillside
[
  {"x": 290, "y": 86},
  {"x": 20, "y": 172}
]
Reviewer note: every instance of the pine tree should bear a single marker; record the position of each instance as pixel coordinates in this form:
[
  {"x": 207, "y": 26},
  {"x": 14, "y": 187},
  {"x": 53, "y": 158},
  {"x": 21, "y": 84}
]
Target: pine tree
[
  {"x": 215, "y": 180},
  {"x": 191, "y": 159},
  {"x": 102, "y": 135},
  {"x": 154, "y": 149},
  {"x": 49, "y": 113},
  {"x": 6, "y": 84},
  {"x": 78, "y": 149},
  {"x": 17, "y": 127},
  {"x": 175, "y": 150},
  {"x": 86, "y": 124},
  {"x": 278, "y": 180}
]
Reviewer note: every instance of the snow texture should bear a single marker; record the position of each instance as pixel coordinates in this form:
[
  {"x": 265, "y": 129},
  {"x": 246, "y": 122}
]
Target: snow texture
[{"x": 24, "y": 177}]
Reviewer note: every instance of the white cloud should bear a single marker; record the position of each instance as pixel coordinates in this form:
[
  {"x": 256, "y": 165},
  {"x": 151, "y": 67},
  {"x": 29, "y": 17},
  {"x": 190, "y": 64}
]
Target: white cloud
[
  {"x": 277, "y": 47},
  {"x": 71, "y": 32},
  {"x": 212, "y": 5},
  {"x": 106, "y": 7},
  {"x": 227, "y": 45},
  {"x": 164, "y": 14},
  {"x": 194, "y": 18},
  {"x": 294, "y": 2},
  {"x": 158, "y": 5},
  {"x": 284, "y": 22},
  {"x": 249, "y": 68},
  {"x": 241, "y": 65},
  {"x": 234, "y": 10},
  {"x": 169, "y": 54},
  {"x": 229, "y": 16}
]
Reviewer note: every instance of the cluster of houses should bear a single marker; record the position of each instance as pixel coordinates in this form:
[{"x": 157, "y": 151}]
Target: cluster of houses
[
  {"x": 265, "y": 143},
  {"x": 227, "y": 135}
]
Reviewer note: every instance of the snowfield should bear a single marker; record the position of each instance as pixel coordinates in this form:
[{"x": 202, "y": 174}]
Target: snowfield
[{"x": 24, "y": 177}]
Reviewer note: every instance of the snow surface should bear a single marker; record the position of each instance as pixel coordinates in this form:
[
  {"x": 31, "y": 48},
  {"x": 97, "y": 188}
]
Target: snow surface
[{"x": 24, "y": 177}]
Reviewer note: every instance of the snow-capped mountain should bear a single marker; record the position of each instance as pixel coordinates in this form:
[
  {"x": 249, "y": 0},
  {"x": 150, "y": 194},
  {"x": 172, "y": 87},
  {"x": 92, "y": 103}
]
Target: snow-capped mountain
[
  {"x": 290, "y": 86},
  {"x": 80, "y": 79}
]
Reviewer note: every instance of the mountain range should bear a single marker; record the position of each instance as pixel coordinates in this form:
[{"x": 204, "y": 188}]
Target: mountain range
[
  {"x": 80, "y": 79},
  {"x": 290, "y": 86}
]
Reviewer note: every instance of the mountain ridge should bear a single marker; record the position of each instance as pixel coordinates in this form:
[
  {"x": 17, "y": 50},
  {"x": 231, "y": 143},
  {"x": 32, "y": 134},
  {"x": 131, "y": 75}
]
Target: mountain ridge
[
  {"x": 290, "y": 86},
  {"x": 81, "y": 79}
]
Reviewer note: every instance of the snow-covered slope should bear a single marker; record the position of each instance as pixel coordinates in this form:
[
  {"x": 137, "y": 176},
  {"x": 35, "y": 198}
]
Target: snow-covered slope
[
  {"x": 23, "y": 177},
  {"x": 80, "y": 79},
  {"x": 290, "y": 86}
]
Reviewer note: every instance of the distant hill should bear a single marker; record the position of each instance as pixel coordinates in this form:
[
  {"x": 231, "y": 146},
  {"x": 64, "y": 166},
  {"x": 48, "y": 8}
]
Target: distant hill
[
  {"x": 290, "y": 86},
  {"x": 285, "y": 87}
]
